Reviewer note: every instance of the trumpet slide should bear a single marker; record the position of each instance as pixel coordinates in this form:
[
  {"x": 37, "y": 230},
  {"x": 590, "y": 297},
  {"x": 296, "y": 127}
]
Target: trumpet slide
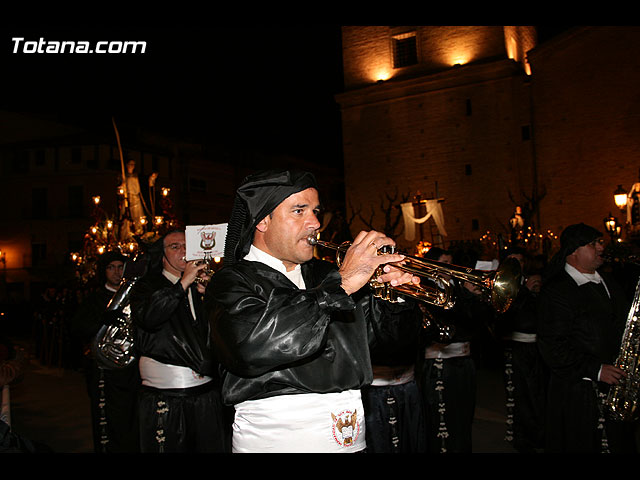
[{"x": 500, "y": 286}]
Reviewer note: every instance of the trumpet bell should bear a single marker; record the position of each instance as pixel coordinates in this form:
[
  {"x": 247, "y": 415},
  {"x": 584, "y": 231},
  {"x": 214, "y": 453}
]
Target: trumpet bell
[
  {"x": 506, "y": 284},
  {"x": 499, "y": 287}
]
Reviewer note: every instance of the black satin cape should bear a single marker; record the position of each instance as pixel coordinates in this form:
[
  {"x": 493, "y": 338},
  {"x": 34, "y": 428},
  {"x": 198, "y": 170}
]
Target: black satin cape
[
  {"x": 164, "y": 328},
  {"x": 275, "y": 339}
]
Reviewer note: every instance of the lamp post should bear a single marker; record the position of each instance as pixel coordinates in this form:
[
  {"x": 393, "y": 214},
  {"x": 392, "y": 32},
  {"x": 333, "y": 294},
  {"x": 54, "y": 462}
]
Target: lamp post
[
  {"x": 3, "y": 277},
  {"x": 620, "y": 197},
  {"x": 612, "y": 227}
]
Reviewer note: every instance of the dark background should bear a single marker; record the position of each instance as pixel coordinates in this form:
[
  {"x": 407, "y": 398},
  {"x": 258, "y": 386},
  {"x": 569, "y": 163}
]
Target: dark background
[{"x": 270, "y": 87}]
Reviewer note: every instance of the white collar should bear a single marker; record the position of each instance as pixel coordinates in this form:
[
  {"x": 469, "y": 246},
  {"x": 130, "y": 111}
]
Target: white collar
[
  {"x": 170, "y": 276},
  {"x": 580, "y": 277},
  {"x": 257, "y": 255}
]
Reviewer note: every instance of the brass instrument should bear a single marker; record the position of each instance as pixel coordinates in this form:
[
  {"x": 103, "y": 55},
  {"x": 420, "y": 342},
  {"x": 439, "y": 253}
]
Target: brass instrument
[
  {"x": 622, "y": 399},
  {"x": 500, "y": 286},
  {"x": 206, "y": 271},
  {"x": 113, "y": 346}
]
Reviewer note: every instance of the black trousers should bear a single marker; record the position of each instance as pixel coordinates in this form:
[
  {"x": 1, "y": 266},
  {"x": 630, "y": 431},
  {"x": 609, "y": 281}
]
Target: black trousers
[
  {"x": 526, "y": 381},
  {"x": 394, "y": 419},
  {"x": 188, "y": 420},
  {"x": 114, "y": 412},
  {"x": 449, "y": 390}
]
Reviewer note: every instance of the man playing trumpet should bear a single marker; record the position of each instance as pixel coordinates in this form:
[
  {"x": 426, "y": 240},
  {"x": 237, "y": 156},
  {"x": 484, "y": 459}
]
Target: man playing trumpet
[
  {"x": 292, "y": 332},
  {"x": 180, "y": 406}
]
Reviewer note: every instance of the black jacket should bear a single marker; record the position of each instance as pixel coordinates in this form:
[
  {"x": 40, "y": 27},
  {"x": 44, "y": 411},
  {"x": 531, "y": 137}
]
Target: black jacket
[
  {"x": 274, "y": 339},
  {"x": 165, "y": 329},
  {"x": 577, "y": 331}
]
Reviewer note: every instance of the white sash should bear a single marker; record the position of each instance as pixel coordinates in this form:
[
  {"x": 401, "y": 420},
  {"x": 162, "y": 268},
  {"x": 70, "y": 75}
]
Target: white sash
[
  {"x": 302, "y": 423},
  {"x": 161, "y": 375},
  {"x": 383, "y": 375},
  {"x": 452, "y": 350},
  {"x": 523, "y": 337}
]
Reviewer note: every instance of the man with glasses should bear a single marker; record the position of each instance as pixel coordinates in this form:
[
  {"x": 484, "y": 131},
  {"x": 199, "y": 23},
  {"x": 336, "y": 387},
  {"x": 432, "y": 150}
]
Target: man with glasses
[
  {"x": 582, "y": 315},
  {"x": 180, "y": 405}
]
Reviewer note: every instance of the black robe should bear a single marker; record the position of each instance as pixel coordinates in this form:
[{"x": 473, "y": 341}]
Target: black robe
[
  {"x": 194, "y": 419},
  {"x": 164, "y": 326},
  {"x": 113, "y": 393},
  {"x": 579, "y": 329},
  {"x": 275, "y": 339}
]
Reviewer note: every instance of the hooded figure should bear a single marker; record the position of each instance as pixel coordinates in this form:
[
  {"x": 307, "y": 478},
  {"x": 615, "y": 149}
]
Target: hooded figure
[
  {"x": 258, "y": 195},
  {"x": 291, "y": 331},
  {"x": 112, "y": 392}
]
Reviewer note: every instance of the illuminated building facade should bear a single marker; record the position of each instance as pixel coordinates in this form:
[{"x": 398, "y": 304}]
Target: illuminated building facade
[{"x": 488, "y": 120}]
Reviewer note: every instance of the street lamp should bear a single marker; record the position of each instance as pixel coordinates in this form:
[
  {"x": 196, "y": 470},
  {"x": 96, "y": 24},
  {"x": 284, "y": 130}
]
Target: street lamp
[
  {"x": 620, "y": 197},
  {"x": 612, "y": 227}
]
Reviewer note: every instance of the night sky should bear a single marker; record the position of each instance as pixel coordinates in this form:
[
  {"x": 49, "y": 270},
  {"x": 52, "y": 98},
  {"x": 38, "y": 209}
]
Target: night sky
[{"x": 271, "y": 86}]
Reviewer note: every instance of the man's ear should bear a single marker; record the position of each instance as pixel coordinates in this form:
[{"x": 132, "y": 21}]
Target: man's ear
[{"x": 263, "y": 225}]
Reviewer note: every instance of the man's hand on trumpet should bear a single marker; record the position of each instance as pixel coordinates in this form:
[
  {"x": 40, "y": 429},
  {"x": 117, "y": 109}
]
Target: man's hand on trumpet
[
  {"x": 361, "y": 261},
  {"x": 192, "y": 270}
]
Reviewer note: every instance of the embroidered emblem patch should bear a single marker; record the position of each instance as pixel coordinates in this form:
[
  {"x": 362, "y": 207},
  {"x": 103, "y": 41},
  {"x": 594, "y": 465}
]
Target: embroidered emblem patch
[{"x": 345, "y": 428}]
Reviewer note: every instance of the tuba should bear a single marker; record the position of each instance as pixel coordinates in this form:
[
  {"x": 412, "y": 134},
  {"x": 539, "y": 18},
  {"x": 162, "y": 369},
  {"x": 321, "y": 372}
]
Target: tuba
[
  {"x": 113, "y": 346},
  {"x": 498, "y": 287},
  {"x": 622, "y": 399}
]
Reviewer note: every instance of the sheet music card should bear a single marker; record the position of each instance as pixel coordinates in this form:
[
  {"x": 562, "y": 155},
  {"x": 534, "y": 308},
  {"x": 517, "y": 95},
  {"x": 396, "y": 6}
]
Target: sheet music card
[{"x": 205, "y": 241}]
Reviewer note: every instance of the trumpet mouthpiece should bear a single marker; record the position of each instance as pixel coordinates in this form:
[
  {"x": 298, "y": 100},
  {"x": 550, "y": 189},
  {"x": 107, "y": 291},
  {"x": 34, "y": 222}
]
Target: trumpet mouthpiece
[{"x": 312, "y": 240}]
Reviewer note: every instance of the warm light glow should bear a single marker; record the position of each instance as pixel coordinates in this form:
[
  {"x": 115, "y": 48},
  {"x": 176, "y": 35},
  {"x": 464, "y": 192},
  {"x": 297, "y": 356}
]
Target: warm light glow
[
  {"x": 382, "y": 75},
  {"x": 109, "y": 224},
  {"x": 120, "y": 190},
  {"x": 217, "y": 259},
  {"x": 101, "y": 249},
  {"x": 96, "y": 199},
  {"x": 158, "y": 220},
  {"x": 165, "y": 191},
  {"x": 143, "y": 220},
  {"x": 620, "y": 197},
  {"x": 458, "y": 59},
  {"x": 611, "y": 225},
  {"x": 94, "y": 229}
]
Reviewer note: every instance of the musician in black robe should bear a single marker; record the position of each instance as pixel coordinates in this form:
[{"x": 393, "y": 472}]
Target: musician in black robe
[
  {"x": 112, "y": 392},
  {"x": 582, "y": 315},
  {"x": 448, "y": 370},
  {"x": 525, "y": 374},
  {"x": 393, "y": 403},
  {"x": 292, "y": 331},
  {"x": 180, "y": 406}
]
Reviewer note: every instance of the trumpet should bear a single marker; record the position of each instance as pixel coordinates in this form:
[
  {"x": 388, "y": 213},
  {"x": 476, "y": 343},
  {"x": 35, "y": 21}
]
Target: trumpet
[
  {"x": 499, "y": 287},
  {"x": 207, "y": 272}
]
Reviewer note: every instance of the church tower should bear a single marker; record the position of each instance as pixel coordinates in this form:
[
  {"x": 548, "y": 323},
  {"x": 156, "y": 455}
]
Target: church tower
[{"x": 439, "y": 110}]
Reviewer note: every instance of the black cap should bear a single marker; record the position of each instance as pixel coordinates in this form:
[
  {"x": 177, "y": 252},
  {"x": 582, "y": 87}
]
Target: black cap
[
  {"x": 576, "y": 236},
  {"x": 258, "y": 195}
]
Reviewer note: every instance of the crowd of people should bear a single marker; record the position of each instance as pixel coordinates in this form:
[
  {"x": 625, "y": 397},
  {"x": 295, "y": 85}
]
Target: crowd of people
[{"x": 280, "y": 351}]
